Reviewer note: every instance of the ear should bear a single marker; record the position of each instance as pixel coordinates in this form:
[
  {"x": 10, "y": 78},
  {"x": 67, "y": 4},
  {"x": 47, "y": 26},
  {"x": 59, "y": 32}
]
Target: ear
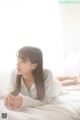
[{"x": 34, "y": 66}]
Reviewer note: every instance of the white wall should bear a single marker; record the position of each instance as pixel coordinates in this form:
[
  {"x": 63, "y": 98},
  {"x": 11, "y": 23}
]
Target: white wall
[
  {"x": 31, "y": 22},
  {"x": 70, "y": 16}
]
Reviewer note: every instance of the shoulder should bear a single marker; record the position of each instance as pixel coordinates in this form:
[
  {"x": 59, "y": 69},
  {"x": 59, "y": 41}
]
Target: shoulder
[
  {"x": 47, "y": 74},
  {"x": 12, "y": 82},
  {"x": 13, "y": 76},
  {"x": 49, "y": 77},
  {"x": 13, "y": 72}
]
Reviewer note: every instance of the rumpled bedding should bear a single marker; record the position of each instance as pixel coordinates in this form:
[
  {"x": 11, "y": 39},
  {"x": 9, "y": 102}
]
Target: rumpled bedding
[{"x": 65, "y": 107}]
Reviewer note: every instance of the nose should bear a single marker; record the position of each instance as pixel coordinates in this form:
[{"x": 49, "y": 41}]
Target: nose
[{"x": 18, "y": 63}]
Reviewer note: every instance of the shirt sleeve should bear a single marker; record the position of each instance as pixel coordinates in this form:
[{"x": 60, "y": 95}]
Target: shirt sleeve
[
  {"x": 12, "y": 83},
  {"x": 53, "y": 88}
]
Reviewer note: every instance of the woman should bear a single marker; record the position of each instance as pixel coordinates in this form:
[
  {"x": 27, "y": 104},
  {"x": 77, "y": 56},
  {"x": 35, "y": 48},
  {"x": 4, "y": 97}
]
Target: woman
[{"x": 30, "y": 84}]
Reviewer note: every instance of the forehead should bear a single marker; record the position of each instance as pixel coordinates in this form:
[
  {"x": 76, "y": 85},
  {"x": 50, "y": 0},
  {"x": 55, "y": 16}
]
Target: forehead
[{"x": 22, "y": 55}]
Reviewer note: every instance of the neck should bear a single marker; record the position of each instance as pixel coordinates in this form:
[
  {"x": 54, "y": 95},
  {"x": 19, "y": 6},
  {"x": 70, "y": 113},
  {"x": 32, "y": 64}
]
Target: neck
[
  {"x": 28, "y": 78},
  {"x": 28, "y": 81}
]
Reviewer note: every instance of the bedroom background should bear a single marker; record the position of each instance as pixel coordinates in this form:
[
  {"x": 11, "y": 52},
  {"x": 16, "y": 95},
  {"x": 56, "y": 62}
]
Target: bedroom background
[{"x": 47, "y": 24}]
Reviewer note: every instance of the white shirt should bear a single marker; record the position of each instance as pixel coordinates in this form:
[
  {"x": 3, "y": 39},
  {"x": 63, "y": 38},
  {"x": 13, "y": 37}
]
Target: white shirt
[{"x": 53, "y": 88}]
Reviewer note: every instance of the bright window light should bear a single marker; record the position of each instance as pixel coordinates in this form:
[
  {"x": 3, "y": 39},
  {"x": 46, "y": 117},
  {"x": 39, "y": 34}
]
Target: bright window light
[{"x": 30, "y": 22}]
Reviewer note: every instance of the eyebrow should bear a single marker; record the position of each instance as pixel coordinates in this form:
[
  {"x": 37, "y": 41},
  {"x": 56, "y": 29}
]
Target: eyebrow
[{"x": 22, "y": 58}]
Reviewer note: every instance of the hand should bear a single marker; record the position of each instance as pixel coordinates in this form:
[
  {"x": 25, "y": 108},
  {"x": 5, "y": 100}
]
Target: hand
[{"x": 13, "y": 102}]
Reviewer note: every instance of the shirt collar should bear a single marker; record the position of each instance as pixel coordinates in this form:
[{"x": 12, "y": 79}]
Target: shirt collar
[{"x": 22, "y": 83}]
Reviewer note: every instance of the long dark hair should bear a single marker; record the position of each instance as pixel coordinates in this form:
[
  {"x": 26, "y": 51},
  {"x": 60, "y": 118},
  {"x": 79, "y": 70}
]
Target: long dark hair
[{"x": 34, "y": 54}]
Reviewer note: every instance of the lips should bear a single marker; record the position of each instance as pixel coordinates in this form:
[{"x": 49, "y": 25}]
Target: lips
[{"x": 18, "y": 71}]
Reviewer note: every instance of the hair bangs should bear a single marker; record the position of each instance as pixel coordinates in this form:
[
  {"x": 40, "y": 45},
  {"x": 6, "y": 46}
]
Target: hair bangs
[{"x": 23, "y": 54}]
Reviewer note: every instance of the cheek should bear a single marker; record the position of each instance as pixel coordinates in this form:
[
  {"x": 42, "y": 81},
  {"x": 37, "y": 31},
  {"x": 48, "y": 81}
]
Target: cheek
[
  {"x": 25, "y": 67},
  {"x": 28, "y": 67}
]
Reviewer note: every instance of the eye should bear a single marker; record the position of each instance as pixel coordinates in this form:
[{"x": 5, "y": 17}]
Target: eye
[
  {"x": 23, "y": 61},
  {"x": 20, "y": 60}
]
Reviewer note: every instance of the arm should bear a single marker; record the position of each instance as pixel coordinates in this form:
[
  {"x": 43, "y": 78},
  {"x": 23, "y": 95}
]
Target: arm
[
  {"x": 52, "y": 89},
  {"x": 27, "y": 101},
  {"x": 12, "y": 82}
]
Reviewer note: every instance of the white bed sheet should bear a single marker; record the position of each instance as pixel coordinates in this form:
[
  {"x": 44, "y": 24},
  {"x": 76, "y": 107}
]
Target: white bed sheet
[{"x": 65, "y": 107}]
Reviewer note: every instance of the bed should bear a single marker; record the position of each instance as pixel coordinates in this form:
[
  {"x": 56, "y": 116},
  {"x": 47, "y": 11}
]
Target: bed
[{"x": 65, "y": 107}]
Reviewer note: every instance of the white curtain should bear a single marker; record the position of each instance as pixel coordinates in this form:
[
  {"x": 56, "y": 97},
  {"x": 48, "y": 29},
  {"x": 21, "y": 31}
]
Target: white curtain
[{"x": 31, "y": 22}]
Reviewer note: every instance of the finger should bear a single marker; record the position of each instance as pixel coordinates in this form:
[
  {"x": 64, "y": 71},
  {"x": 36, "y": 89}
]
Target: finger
[
  {"x": 14, "y": 106},
  {"x": 9, "y": 98},
  {"x": 8, "y": 102},
  {"x": 10, "y": 106},
  {"x": 5, "y": 103}
]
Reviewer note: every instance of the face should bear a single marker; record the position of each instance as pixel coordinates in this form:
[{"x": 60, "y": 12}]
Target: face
[{"x": 24, "y": 67}]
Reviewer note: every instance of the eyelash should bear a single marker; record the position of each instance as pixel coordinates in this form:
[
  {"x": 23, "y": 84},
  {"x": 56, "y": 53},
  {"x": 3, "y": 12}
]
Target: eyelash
[{"x": 23, "y": 61}]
